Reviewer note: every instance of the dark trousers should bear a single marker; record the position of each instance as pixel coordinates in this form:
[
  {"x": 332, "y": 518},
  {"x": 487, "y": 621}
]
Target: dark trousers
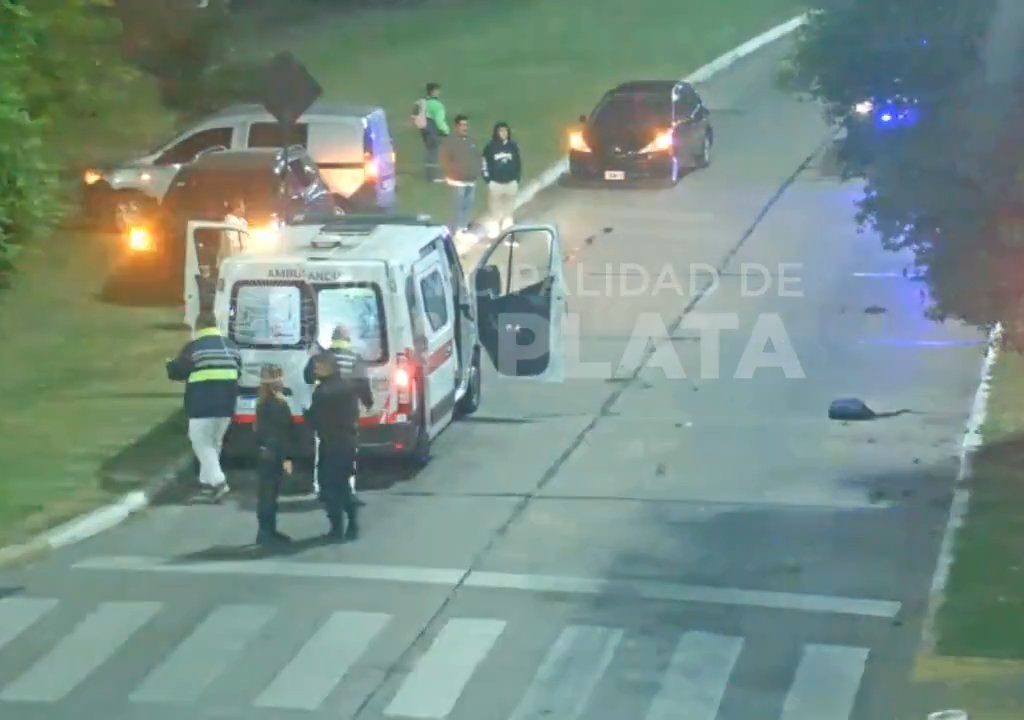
[
  {"x": 334, "y": 467},
  {"x": 269, "y": 473},
  {"x": 432, "y": 153}
]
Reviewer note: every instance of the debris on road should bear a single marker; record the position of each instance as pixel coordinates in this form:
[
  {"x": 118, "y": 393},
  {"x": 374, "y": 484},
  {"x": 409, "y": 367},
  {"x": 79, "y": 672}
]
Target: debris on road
[
  {"x": 850, "y": 409},
  {"x": 847, "y": 409},
  {"x": 875, "y": 310}
]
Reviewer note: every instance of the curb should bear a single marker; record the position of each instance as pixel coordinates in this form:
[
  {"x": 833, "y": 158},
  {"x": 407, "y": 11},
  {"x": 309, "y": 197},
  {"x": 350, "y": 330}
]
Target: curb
[
  {"x": 961, "y": 493},
  {"x": 96, "y": 521},
  {"x": 109, "y": 516},
  {"x": 552, "y": 174}
]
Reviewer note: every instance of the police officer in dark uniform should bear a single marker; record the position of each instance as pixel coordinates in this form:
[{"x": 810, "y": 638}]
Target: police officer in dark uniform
[
  {"x": 350, "y": 365},
  {"x": 334, "y": 417}
]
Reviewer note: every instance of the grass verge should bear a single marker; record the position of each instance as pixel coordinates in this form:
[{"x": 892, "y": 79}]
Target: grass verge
[
  {"x": 984, "y": 604},
  {"x": 83, "y": 380},
  {"x": 535, "y": 64}
]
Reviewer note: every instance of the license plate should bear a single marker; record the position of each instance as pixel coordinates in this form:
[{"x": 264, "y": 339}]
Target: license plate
[
  {"x": 614, "y": 175},
  {"x": 246, "y": 406}
]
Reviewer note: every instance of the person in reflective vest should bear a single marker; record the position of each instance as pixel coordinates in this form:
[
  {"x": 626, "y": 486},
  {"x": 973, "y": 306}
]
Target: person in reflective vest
[
  {"x": 352, "y": 368},
  {"x": 210, "y": 366}
]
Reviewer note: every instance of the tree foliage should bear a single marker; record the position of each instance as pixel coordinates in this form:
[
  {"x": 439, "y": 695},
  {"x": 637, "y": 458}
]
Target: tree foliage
[
  {"x": 947, "y": 187},
  {"x": 57, "y": 60}
]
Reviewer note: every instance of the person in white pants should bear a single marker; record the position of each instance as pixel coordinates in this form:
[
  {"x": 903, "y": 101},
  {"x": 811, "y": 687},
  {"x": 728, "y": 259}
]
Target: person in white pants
[
  {"x": 502, "y": 170},
  {"x": 210, "y": 365}
]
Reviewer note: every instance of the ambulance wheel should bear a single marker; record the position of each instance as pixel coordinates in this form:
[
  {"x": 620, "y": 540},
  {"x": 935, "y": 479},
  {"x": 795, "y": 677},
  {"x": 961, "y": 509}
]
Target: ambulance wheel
[
  {"x": 470, "y": 402},
  {"x": 419, "y": 456}
]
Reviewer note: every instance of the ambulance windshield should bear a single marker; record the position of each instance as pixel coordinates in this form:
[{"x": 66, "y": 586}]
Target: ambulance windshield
[
  {"x": 267, "y": 316},
  {"x": 360, "y": 309}
]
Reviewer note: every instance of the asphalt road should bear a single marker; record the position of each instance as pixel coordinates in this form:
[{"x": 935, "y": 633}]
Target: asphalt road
[{"x": 629, "y": 544}]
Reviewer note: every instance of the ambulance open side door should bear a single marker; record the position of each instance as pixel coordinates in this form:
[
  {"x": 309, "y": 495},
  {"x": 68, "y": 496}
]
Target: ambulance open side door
[
  {"x": 439, "y": 357},
  {"x": 519, "y": 289},
  {"x": 207, "y": 244}
]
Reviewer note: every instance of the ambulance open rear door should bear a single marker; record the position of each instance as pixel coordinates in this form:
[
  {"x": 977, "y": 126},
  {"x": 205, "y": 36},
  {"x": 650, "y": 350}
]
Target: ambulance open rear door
[{"x": 207, "y": 244}]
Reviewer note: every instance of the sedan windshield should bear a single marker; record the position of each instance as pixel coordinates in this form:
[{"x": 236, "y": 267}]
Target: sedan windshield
[{"x": 622, "y": 111}]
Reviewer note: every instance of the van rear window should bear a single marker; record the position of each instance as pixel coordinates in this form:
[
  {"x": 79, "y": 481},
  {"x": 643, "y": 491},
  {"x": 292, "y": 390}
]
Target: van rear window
[
  {"x": 269, "y": 315},
  {"x": 269, "y": 135},
  {"x": 359, "y": 307}
]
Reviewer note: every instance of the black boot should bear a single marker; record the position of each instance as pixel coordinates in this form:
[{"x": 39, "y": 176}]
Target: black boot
[
  {"x": 353, "y": 527},
  {"x": 337, "y": 531},
  {"x": 268, "y": 534}
]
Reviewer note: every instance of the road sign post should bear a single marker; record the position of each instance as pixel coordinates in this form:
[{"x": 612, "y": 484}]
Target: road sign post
[{"x": 288, "y": 92}]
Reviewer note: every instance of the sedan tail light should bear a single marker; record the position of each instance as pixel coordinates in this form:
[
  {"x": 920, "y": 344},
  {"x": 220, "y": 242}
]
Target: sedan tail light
[{"x": 577, "y": 143}]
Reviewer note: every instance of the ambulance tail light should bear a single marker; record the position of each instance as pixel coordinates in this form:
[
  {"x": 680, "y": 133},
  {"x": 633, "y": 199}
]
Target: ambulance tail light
[{"x": 402, "y": 380}]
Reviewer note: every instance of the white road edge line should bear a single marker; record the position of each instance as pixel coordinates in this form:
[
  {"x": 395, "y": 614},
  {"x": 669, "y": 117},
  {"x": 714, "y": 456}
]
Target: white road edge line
[
  {"x": 961, "y": 493},
  {"x": 105, "y": 518},
  {"x": 450, "y": 577}
]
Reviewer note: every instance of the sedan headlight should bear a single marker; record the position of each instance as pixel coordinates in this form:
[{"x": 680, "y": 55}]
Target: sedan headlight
[
  {"x": 865, "y": 107},
  {"x": 662, "y": 143}
]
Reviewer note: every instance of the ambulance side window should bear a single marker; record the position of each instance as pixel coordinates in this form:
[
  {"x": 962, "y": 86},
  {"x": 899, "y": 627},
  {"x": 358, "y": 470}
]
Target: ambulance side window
[
  {"x": 419, "y": 339},
  {"x": 434, "y": 300},
  {"x": 454, "y": 265}
]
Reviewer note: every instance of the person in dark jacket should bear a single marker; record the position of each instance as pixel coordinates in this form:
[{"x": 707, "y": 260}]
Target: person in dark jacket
[
  {"x": 334, "y": 417},
  {"x": 210, "y": 366},
  {"x": 503, "y": 169},
  {"x": 351, "y": 366},
  {"x": 276, "y": 442}
]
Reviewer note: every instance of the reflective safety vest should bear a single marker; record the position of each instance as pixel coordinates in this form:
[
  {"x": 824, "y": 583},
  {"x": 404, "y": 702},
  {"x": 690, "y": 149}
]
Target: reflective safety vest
[
  {"x": 346, "y": 357},
  {"x": 213, "y": 358},
  {"x": 211, "y": 366}
]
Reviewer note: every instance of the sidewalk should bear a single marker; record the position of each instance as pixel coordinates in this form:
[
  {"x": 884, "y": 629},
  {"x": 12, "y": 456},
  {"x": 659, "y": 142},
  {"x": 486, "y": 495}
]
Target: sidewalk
[{"x": 978, "y": 661}]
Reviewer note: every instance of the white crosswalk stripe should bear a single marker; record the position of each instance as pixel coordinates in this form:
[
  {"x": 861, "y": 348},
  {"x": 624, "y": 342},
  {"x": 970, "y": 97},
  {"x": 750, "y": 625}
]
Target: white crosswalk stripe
[
  {"x": 73, "y": 659},
  {"x": 323, "y": 661},
  {"x": 697, "y": 677},
  {"x": 433, "y": 688},
  {"x": 204, "y": 655},
  {"x": 826, "y": 683},
  {"x": 570, "y": 672},
  {"x": 343, "y": 653},
  {"x": 19, "y": 614}
]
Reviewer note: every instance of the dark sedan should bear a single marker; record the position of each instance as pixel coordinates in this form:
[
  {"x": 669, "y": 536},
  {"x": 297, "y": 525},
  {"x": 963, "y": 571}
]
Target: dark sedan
[{"x": 643, "y": 131}]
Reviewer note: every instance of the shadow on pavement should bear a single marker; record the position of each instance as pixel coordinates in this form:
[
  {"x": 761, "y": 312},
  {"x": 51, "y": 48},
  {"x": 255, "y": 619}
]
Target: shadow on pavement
[{"x": 241, "y": 553}]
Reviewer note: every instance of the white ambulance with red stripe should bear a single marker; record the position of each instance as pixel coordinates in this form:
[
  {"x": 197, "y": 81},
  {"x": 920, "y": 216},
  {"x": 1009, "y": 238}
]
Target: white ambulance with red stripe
[{"x": 397, "y": 284}]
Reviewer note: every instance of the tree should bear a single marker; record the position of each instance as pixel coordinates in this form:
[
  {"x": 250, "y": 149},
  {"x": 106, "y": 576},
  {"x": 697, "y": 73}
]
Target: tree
[
  {"x": 175, "y": 41},
  {"x": 58, "y": 59},
  {"x": 25, "y": 180},
  {"x": 947, "y": 186}
]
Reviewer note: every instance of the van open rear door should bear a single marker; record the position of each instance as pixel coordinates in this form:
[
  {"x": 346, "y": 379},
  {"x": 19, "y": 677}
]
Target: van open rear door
[
  {"x": 206, "y": 246},
  {"x": 519, "y": 286}
]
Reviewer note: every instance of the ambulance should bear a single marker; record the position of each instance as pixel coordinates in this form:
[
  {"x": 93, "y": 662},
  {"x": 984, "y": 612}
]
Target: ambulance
[{"x": 422, "y": 324}]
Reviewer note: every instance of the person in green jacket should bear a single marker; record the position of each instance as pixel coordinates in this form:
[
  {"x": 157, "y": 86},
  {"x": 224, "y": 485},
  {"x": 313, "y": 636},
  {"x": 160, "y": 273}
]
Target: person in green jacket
[{"x": 429, "y": 117}]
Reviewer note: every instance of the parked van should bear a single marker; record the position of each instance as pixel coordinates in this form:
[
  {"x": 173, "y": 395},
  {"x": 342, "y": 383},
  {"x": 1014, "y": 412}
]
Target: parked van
[
  {"x": 418, "y": 320},
  {"x": 351, "y": 144}
]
